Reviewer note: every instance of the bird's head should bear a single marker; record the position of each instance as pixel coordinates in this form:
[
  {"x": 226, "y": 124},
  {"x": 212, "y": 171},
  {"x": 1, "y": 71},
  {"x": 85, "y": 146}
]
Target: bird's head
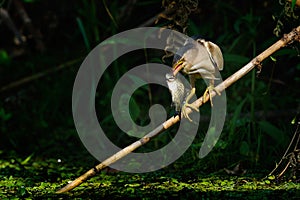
[
  {"x": 197, "y": 52},
  {"x": 183, "y": 59}
]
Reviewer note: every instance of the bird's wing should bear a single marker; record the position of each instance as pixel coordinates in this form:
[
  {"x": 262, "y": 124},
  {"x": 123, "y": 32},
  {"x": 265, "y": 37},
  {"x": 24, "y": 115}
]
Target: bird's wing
[
  {"x": 215, "y": 53},
  {"x": 203, "y": 73}
]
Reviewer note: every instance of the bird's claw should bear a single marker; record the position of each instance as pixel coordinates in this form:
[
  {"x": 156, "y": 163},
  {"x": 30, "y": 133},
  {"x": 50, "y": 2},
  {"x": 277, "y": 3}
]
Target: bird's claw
[
  {"x": 186, "y": 104},
  {"x": 184, "y": 112},
  {"x": 208, "y": 91}
]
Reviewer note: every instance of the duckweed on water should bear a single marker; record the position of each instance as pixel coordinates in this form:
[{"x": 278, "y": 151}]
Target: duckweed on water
[{"x": 40, "y": 179}]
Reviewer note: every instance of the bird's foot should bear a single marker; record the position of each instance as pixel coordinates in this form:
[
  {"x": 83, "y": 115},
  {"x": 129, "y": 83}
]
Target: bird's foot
[
  {"x": 208, "y": 91},
  {"x": 186, "y": 104}
]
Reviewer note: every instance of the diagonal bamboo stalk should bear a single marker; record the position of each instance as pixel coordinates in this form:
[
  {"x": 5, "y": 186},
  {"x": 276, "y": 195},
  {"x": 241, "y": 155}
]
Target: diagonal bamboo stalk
[{"x": 294, "y": 35}]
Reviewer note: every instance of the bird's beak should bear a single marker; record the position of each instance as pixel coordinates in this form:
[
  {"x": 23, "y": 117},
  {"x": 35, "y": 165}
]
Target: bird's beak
[{"x": 177, "y": 66}]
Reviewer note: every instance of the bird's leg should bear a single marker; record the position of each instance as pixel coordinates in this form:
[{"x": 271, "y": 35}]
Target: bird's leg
[
  {"x": 208, "y": 90},
  {"x": 186, "y": 104},
  {"x": 188, "y": 98}
]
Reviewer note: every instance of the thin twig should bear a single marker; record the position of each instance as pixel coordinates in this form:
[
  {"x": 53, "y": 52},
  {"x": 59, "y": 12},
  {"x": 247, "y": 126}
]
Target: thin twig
[
  {"x": 152, "y": 20},
  {"x": 37, "y": 36},
  {"x": 4, "y": 15},
  {"x": 287, "y": 39},
  {"x": 38, "y": 75},
  {"x": 109, "y": 14},
  {"x": 286, "y": 152}
]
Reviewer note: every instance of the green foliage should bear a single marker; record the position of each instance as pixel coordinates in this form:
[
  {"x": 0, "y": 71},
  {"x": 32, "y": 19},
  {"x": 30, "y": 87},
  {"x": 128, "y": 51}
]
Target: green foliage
[
  {"x": 4, "y": 58},
  {"x": 4, "y": 116},
  {"x": 30, "y": 1},
  {"x": 83, "y": 32}
]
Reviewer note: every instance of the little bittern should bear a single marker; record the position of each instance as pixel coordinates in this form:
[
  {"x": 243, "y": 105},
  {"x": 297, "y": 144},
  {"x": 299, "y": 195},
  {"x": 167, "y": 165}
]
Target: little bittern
[
  {"x": 199, "y": 59},
  {"x": 179, "y": 93}
]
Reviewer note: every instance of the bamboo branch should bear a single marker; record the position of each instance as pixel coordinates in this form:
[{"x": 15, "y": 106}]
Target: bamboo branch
[{"x": 287, "y": 39}]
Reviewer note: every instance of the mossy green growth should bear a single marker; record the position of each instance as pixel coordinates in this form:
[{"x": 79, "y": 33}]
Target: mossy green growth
[{"x": 41, "y": 178}]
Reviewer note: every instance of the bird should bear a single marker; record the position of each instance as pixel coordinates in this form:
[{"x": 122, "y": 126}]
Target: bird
[
  {"x": 179, "y": 93},
  {"x": 198, "y": 58}
]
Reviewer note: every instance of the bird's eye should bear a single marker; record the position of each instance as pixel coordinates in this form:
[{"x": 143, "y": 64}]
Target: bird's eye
[{"x": 171, "y": 78}]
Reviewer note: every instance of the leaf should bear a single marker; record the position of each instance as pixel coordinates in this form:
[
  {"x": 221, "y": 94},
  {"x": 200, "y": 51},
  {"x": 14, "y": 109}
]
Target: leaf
[
  {"x": 236, "y": 26},
  {"x": 286, "y": 52},
  {"x": 29, "y": 1},
  {"x": 296, "y": 119},
  {"x": 235, "y": 118},
  {"x": 84, "y": 35},
  {"x": 273, "y": 59},
  {"x": 235, "y": 58},
  {"x": 134, "y": 133},
  {"x": 123, "y": 105},
  {"x": 272, "y": 177},
  {"x": 275, "y": 133},
  {"x": 235, "y": 43},
  {"x": 293, "y": 4},
  {"x": 137, "y": 80},
  {"x": 4, "y": 58},
  {"x": 193, "y": 28},
  {"x": 4, "y": 116},
  {"x": 244, "y": 148},
  {"x": 118, "y": 41},
  {"x": 221, "y": 144},
  {"x": 24, "y": 162},
  {"x": 134, "y": 109}
]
